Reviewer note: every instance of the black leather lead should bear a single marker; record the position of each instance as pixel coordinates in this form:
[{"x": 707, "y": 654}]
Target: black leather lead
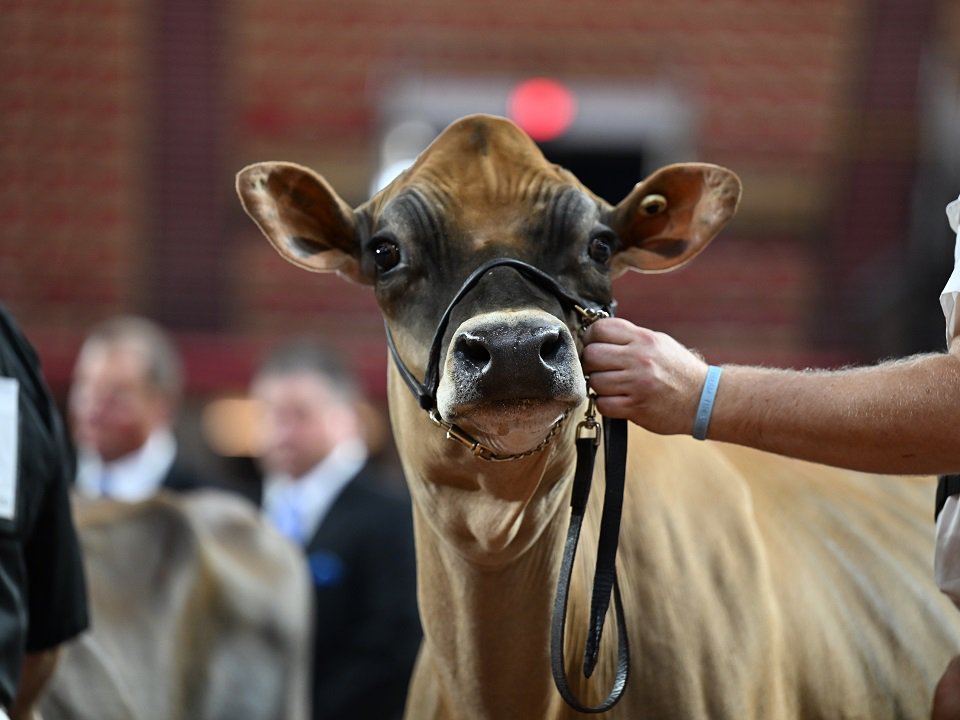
[{"x": 605, "y": 574}]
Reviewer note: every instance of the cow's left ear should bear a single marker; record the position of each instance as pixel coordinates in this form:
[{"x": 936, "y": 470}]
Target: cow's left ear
[
  {"x": 303, "y": 217},
  {"x": 672, "y": 215}
]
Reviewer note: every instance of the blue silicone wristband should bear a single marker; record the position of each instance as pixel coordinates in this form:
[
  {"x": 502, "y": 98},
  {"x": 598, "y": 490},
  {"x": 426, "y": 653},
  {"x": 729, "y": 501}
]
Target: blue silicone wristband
[{"x": 702, "y": 420}]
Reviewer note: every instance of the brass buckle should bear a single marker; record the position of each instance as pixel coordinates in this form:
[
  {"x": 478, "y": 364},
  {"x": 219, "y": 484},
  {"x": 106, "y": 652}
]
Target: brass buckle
[
  {"x": 458, "y": 434},
  {"x": 588, "y": 316},
  {"x": 589, "y": 423}
]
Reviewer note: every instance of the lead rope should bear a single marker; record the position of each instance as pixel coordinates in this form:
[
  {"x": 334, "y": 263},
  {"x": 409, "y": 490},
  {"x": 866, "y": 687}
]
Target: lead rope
[{"x": 605, "y": 574}]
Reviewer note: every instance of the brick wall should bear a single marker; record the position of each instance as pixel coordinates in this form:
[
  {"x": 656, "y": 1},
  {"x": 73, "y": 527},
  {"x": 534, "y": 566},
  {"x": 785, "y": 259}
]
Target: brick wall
[
  {"x": 770, "y": 78},
  {"x": 71, "y": 140}
]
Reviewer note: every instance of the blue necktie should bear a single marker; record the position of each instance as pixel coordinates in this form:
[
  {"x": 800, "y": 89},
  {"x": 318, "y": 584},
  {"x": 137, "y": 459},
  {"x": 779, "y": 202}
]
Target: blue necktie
[
  {"x": 285, "y": 516},
  {"x": 104, "y": 483}
]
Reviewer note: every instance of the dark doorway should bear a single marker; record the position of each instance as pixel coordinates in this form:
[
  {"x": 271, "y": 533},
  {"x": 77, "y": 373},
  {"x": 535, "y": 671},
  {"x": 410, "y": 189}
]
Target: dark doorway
[{"x": 610, "y": 172}]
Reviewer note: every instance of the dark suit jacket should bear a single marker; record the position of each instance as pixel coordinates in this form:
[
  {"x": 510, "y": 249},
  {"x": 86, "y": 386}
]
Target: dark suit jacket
[
  {"x": 181, "y": 477},
  {"x": 367, "y": 625}
]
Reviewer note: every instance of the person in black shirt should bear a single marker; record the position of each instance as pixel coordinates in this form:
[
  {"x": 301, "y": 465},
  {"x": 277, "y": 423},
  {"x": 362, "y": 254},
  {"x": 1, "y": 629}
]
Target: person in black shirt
[{"x": 43, "y": 600}]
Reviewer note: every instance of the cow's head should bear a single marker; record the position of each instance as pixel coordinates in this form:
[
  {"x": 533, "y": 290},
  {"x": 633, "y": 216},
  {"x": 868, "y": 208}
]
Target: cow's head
[{"x": 509, "y": 359}]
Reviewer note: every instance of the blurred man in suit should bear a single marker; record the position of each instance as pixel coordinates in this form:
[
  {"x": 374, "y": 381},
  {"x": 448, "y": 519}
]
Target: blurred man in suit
[
  {"x": 127, "y": 384},
  {"x": 323, "y": 493}
]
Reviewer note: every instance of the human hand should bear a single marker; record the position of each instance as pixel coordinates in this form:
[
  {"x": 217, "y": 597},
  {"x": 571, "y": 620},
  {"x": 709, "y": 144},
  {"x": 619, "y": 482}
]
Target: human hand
[{"x": 643, "y": 376}]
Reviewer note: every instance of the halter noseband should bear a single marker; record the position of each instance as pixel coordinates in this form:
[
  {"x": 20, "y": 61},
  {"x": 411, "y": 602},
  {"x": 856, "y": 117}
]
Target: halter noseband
[{"x": 426, "y": 392}]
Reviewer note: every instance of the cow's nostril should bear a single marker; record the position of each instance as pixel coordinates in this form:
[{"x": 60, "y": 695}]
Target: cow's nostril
[
  {"x": 473, "y": 350},
  {"x": 551, "y": 347}
]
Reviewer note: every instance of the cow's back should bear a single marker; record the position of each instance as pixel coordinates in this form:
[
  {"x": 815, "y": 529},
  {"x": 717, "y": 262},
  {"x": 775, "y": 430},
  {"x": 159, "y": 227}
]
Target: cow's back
[
  {"x": 851, "y": 556},
  {"x": 199, "y": 610},
  {"x": 761, "y": 587}
]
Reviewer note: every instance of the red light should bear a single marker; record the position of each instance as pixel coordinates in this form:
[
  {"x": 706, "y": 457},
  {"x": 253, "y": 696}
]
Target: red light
[{"x": 543, "y": 108}]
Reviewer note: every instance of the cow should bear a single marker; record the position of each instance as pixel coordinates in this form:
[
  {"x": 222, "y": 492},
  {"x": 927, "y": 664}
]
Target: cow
[
  {"x": 199, "y": 611},
  {"x": 753, "y": 586}
]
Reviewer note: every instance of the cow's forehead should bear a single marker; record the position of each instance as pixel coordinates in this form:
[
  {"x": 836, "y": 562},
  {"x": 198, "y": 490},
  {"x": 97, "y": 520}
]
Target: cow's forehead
[{"x": 478, "y": 166}]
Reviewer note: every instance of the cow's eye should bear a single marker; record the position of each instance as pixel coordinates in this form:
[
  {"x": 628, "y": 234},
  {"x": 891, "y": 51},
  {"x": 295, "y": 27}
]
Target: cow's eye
[
  {"x": 600, "y": 248},
  {"x": 386, "y": 253}
]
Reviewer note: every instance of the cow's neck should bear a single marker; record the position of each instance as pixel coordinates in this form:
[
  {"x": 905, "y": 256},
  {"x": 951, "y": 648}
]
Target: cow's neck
[
  {"x": 486, "y": 652},
  {"x": 489, "y": 539}
]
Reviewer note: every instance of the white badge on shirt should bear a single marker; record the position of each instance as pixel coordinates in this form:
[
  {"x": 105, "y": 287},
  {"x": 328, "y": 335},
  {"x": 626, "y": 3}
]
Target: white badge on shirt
[
  {"x": 953, "y": 215},
  {"x": 9, "y": 446},
  {"x": 951, "y": 292}
]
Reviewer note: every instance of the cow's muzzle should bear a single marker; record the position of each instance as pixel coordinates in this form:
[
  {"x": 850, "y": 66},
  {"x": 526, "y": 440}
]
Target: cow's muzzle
[
  {"x": 509, "y": 357},
  {"x": 487, "y": 353},
  {"x": 509, "y": 377}
]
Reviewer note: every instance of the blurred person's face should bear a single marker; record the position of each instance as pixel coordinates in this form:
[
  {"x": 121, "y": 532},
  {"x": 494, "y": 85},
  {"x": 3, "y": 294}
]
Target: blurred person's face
[
  {"x": 113, "y": 406},
  {"x": 302, "y": 419}
]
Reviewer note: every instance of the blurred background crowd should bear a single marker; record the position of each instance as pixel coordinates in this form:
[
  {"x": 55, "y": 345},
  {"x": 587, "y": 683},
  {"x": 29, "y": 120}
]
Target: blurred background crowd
[{"x": 123, "y": 123}]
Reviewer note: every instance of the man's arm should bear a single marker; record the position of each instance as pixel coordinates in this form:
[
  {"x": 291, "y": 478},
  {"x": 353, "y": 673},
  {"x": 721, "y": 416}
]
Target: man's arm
[
  {"x": 896, "y": 417},
  {"x": 37, "y": 670}
]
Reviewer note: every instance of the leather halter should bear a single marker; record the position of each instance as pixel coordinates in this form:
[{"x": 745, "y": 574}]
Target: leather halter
[
  {"x": 605, "y": 577},
  {"x": 426, "y": 391}
]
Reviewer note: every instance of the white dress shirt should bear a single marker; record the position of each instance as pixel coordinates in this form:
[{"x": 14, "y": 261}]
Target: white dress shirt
[
  {"x": 133, "y": 477},
  {"x": 946, "y": 561},
  {"x": 297, "y": 506},
  {"x": 951, "y": 291}
]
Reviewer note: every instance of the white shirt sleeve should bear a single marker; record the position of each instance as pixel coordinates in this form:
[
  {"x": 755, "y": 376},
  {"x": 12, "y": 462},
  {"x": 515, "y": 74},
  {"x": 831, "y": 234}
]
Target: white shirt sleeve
[
  {"x": 946, "y": 560},
  {"x": 951, "y": 291},
  {"x": 9, "y": 446}
]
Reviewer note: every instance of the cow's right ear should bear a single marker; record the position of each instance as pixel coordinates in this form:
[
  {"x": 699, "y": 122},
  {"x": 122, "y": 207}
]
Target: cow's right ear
[
  {"x": 672, "y": 215},
  {"x": 303, "y": 217}
]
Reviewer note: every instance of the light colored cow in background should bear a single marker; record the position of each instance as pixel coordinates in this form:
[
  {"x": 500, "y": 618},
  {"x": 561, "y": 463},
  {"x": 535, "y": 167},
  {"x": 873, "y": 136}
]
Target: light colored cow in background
[
  {"x": 754, "y": 586},
  {"x": 199, "y": 611}
]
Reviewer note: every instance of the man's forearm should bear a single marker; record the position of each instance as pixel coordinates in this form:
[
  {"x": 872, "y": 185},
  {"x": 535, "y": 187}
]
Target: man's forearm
[
  {"x": 899, "y": 417},
  {"x": 37, "y": 670}
]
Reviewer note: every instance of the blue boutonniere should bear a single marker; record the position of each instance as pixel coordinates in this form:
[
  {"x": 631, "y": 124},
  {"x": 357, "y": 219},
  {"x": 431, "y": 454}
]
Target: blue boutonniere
[{"x": 326, "y": 568}]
